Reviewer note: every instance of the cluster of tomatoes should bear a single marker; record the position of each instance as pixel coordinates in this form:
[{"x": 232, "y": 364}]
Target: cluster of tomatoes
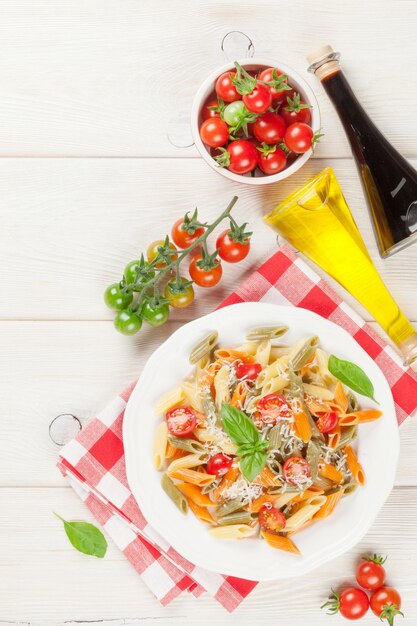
[
  {"x": 256, "y": 120},
  {"x": 353, "y": 602},
  {"x": 151, "y": 286}
]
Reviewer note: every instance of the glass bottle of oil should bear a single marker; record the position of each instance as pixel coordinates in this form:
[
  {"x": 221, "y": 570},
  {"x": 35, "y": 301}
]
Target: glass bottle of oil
[
  {"x": 316, "y": 220},
  {"x": 389, "y": 181}
]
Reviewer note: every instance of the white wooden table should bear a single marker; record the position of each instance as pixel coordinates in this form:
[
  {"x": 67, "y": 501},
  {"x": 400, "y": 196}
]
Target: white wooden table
[{"x": 87, "y": 179}]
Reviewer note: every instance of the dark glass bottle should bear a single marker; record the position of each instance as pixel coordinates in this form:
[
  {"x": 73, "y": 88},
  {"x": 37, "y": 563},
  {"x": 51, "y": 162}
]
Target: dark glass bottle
[{"x": 389, "y": 181}]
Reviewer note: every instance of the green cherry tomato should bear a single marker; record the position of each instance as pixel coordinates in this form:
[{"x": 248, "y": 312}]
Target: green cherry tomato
[
  {"x": 117, "y": 299},
  {"x": 127, "y": 322},
  {"x": 179, "y": 299},
  {"x": 155, "y": 314},
  {"x": 233, "y": 112},
  {"x": 131, "y": 273}
]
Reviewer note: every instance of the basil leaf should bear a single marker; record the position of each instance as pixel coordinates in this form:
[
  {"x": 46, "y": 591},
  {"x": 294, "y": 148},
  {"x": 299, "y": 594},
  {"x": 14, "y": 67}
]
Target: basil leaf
[
  {"x": 352, "y": 376},
  {"x": 85, "y": 537},
  {"x": 238, "y": 426},
  {"x": 251, "y": 464}
]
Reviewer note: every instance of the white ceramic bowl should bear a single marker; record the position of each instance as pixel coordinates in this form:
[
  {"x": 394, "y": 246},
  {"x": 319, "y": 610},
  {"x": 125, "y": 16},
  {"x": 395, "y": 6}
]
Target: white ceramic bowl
[
  {"x": 377, "y": 445},
  {"x": 207, "y": 88}
]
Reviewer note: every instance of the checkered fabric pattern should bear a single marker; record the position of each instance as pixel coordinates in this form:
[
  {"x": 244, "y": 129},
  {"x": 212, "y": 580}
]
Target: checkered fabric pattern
[{"x": 95, "y": 465}]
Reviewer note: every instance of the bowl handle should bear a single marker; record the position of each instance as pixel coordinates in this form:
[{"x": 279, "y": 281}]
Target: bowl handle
[{"x": 237, "y": 45}]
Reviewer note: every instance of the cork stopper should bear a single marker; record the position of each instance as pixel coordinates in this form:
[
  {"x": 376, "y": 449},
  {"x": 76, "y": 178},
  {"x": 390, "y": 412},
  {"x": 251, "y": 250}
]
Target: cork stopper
[{"x": 319, "y": 55}]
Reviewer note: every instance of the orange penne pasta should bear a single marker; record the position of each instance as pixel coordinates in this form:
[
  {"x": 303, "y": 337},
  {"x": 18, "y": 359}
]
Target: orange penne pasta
[
  {"x": 201, "y": 512},
  {"x": 279, "y": 542},
  {"x": 193, "y": 477},
  {"x": 305, "y": 367},
  {"x": 266, "y": 478},
  {"x": 227, "y": 480},
  {"x": 226, "y": 354},
  {"x": 170, "y": 451},
  {"x": 302, "y": 426},
  {"x": 354, "y": 466},
  {"x": 334, "y": 436},
  {"x": 331, "y": 472},
  {"x": 359, "y": 417},
  {"x": 194, "y": 493},
  {"x": 340, "y": 397},
  {"x": 257, "y": 504},
  {"x": 178, "y": 454},
  {"x": 328, "y": 507},
  {"x": 239, "y": 395},
  {"x": 314, "y": 406}
]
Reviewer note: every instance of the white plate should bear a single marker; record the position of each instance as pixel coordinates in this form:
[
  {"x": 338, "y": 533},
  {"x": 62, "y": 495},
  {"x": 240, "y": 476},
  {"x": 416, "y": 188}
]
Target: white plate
[{"x": 377, "y": 445}]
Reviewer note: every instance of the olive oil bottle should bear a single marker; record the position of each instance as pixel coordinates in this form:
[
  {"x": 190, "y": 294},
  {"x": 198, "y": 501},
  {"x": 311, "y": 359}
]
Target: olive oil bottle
[
  {"x": 389, "y": 181},
  {"x": 316, "y": 220}
]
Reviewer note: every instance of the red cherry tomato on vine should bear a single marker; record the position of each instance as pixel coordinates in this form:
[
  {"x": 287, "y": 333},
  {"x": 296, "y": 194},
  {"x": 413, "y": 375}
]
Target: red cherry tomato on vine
[
  {"x": 208, "y": 111},
  {"x": 266, "y": 75},
  {"x": 229, "y": 250},
  {"x": 181, "y": 421},
  {"x": 181, "y": 237},
  {"x": 271, "y": 519},
  {"x": 214, "y": 132},
  {"x": 269, "y": 128},
  {"x": 370, "y": 574},
  {"x": 327, "y": 421},
  {"x": 225, "y": 88},
  {"x": 273, "y": 407},
  {"x": 219, "y": 464},
  {"x": 259, "y": 100},
  {"x": 203, "y": 277},
  {"x": 386, "y": 603},
  {"x": 296, "y": 470},
  {"x": 248, "y": 371},
  {"x": 299, "y": 137},
  {"x": 243, "y": 156},
  {"x": 273, "y": 162}
]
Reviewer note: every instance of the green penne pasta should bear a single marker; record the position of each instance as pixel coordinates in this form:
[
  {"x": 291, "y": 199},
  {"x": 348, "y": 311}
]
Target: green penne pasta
[
  {"x": 350, "y": 488},
  {"x": 347, "y": 435},
  {"x": 238, "y": 517},
  {"x": 174, "y": 493},
  {"x": 267, "y": 332},
  {"x": 229, "y": 507},
  {"x": 313, "y": 457},
  {"x": 304, "y": 353},
  {"x": 275, "y": 438},
  {"x": 190, "y": 445},
  {"x": 203, "y": 347},
  {"x": 211, "y": 486}
]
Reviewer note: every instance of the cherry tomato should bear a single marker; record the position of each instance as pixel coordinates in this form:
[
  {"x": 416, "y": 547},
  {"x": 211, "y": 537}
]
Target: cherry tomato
[
  {"x": 296, "y": 470},
  {"x": 269, "y": 128},
  {"x": 153, "y": 251},
  {"x": 127, "y": 322},
  {"x": 154, "y": 314},
  {"x": 370, "y": 574},
  {"x": 271, "y": 519},
  {"x": 214, "y": 132},
  {"x": 179, "y": 299},
  {"x": 266, "y": 75},
  {"x": 292, "y": 116},
  {"x": 219, "y": 464},
  {"x": 352, "y": 603},
  {"x": 243, "y": 156},
  {"x": 327, "y": 421},
  {"x": 131, "y": 273},
  {"x": 299, "y": 137},
  {"x": 248, "y": 371},
  {"x": 181, "y": 421},
  {"x": 117, "y": 299},
  {"x": 208, "y": 111},
  {"x": 273, "y": 162},
  {"x": 225, "y": 88},
  {"x": 259, "y": 100},
  {"x": 202, "y": 277},
  {"x": 386, "y": 603},
  {"x": 232, "y": 251},
  {"x": 272, "y": 408},
  {"x": 181, "y": 237}
]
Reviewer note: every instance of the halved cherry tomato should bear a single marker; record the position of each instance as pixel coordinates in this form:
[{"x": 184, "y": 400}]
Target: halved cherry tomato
[
  {"x": 232, "y": 251},
  {"x": 181, "y": 237},
  {"x": 259, "y": 100},
  {"x": 214, "y": 132},
  {"x": 272, "y": 408},
  {"x": 269, "y": 128},
  {"x": 153, "y": 251},
  {"x": 181, "y": 421},
  {"x": 271, "y": 519},
  {"x": 219, "y": 464},
  {"x": 248, "y": 371},
  {"x": 202, "y": 277},
  {"x": 327, "y": 421},
  {"x": 225, "y": 88},
  {"x": 296, "y": 470},
  {"x": 266, "y": 75},
  {"x": 208, "y": 109},
  {"x": 386, "y": 603},
  {"x": 370, "y": 574}
]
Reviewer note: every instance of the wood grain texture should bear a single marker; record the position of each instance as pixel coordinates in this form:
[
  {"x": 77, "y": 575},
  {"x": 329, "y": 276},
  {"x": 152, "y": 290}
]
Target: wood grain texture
[
  {"x": 71, "y": 226},
  {"x": 47, "y": 579},
  {"x": 106, "y": 77}
]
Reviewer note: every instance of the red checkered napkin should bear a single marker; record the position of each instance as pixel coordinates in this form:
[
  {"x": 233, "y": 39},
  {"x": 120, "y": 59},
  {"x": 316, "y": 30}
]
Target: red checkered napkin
[{"x": 95, "y": 465}]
